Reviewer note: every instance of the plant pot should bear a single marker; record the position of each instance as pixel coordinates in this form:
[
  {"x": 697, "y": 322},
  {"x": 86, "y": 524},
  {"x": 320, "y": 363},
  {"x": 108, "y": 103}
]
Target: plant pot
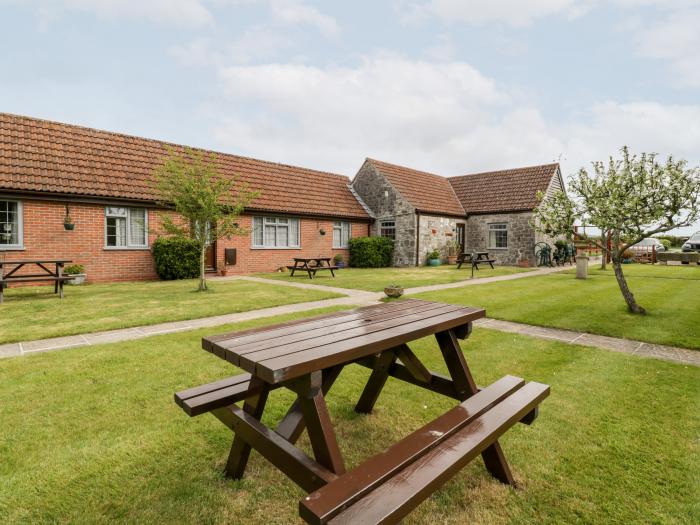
[
  {"x": 433, "y": 262},
  {"x": 393, "y": 291},
  {"x": 69, "y": 226},
  {"x": 223, "y": 272},
  {"x": 340, "y": 264},
  {"x": 451, "y": 259},
  {"x": 78, "y": 279},
  {"x": 524, "y": 263}
]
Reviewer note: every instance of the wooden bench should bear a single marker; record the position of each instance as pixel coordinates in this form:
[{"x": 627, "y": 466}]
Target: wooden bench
[
  {"x": 388, "y": 486},
  {"x": 35, "y": 279},
  {"x": 202, "y": 399}
]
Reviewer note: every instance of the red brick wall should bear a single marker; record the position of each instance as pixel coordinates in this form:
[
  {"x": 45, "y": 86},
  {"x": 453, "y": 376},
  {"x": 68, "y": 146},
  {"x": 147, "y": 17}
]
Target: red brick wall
[{"x": 45, "y": 237}]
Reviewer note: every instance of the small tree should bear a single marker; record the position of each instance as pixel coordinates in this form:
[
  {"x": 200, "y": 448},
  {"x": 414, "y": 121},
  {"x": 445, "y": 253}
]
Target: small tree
[
  {"x": 209, "y": 202},
  {"x": 630, "y": 199}
]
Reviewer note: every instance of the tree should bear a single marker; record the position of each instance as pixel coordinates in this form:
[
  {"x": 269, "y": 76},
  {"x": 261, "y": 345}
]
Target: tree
[
  {"x": 210, "y": 203},
  {"x": 630, "y": 199}
]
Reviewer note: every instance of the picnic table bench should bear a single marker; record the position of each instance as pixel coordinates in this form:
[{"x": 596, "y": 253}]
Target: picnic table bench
[
  {"x": 311, "y": 265},
  {"x": 474, "y": 259},
  {"x": 307, "y": 356},
  {"x": 9, "y": 269}
]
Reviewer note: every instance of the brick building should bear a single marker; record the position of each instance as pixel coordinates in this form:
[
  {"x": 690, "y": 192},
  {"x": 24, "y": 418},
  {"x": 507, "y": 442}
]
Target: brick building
[{"x": 103, "y": 181}]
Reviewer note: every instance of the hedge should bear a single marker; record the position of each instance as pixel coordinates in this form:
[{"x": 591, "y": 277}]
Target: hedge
[
  {"x": 176, "y": 258},
  {"x": 371, "y": 252}
]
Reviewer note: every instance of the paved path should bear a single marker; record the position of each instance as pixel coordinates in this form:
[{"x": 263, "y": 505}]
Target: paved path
[{"x": 358, "y": 298}]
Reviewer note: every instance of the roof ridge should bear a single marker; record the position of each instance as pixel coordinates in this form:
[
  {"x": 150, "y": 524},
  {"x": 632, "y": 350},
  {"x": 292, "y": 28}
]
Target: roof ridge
[
  {"x": 166, "y": 143},
  {"x": 405, "y": 167},
  {"x": 521, "y": 168}
]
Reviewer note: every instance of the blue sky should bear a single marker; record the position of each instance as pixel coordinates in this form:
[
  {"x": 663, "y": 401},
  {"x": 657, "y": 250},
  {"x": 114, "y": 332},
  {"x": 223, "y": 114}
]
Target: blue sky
[{"x": 447, "y": 86}]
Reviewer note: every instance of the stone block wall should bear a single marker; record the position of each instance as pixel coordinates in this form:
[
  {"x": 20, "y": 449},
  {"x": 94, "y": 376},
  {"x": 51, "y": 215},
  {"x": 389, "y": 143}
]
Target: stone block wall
[
  {"x": 387, "y": 204},
  {"x": 434, "y": 234},
  {"x": 521, "y": 237}
]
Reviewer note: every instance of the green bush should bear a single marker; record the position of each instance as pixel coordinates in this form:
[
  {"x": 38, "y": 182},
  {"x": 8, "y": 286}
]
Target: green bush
[
  {"x": 371, "y": 252},
  {"x": 74, "y": 269},
  {"x": 176, "y": 258},
  {"x": 666, "y": 243}
]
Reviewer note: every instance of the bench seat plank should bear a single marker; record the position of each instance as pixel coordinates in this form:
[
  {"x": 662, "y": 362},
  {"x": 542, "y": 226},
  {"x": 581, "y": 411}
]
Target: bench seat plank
[
  {"x": 385, "y": 488},
  {"x": 205, "y": 398},
  {"x": 36, "y": 278}
]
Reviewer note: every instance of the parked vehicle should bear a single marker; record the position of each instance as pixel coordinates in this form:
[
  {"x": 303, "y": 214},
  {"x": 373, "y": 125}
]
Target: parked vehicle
[
  {"x": 692, "y": 244},
  {"x": 646, "y": 245}
]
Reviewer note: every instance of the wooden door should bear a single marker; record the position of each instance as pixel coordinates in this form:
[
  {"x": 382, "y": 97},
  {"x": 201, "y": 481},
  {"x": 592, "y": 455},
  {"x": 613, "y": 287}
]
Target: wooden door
[
  {"x": 461, "y": 237},
  {"x": 210, "y": 257}
]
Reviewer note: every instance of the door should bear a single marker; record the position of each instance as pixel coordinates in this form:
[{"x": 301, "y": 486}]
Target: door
[
  {"x": 210, "y": 258},
  {"x": 461, "y": 237}
]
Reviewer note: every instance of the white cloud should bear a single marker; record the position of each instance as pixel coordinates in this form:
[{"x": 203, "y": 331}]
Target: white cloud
[
  {"x": 299, "y": 12},
  {"x": 512, "y": 12},
  {"x": 443, "y": 117},
  {"x": 186, "y": 13},
  {"x": 675, "y": 39}
]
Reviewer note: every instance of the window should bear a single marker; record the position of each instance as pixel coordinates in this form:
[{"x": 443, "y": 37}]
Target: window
[
  {"x": 341, "y": 234},
  {"x": 275, "y": 232},
  {"x": 126, "y": 227},
  {"x": 498, "y": 235},
  {"x": 10, "y": 225},
  {"x": 388, "y": 229}
]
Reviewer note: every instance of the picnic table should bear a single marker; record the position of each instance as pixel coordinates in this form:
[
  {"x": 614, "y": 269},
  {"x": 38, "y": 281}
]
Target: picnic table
[
  {"x": 311, "y": 265},
  {"x": 307, "y": 356},
  {"x": 9, "y": 273},
  {"x": 474, "y": 259}
]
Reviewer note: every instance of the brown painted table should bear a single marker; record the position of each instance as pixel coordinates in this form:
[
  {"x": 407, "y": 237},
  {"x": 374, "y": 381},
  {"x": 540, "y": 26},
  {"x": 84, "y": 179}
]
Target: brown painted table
[
  {"x": 311, "y": 265},
  {"x": 9, "y": 273},
  {"x": 307, "y": 356}
]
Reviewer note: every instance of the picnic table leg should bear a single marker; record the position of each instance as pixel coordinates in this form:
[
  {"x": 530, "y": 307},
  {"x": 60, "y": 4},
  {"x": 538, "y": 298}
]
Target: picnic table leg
[
  {"x": 292, "y": 424},
  {"x": 493, "y": 456},
  {"x": 318, "y": 424},
  {"x": 376, "y": 382},
  {"x": 240, "y": 450}
]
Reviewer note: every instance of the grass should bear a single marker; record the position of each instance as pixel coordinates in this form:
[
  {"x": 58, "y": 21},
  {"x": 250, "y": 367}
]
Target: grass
[
  {"x": 671, "y": 295},
  {"x": 92, "y": 435},
  {"x": 375, "y": 279},
  {"x": 36, "y": 313}
]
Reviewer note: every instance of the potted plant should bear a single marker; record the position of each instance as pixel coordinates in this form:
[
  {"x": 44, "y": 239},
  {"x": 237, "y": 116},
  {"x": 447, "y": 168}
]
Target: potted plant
[
  {"x": 68, "y": 223},
  {"x": 434, "y": 258},
  {"x": 223, "y": 271},
  {"x": 77, "y": 271},
  {"x": 393, "y": 291},
  {"x": 453, "y": 248},
  {"x": 338, "y": 261}
]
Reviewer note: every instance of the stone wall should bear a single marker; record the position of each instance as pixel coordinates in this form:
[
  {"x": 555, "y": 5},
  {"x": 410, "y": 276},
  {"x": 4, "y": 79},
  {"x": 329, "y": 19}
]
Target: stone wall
[
  {"x": 387, "y": 204},
  {"x": 521, "y": 237},
  {"x": 434, "y": 233}
]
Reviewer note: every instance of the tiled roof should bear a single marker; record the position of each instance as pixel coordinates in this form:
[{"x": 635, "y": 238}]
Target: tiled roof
[
  {"x": 505, "y": 190},
  {"x": 427, "y": 192},
  {"x": 51, "y": 157}
]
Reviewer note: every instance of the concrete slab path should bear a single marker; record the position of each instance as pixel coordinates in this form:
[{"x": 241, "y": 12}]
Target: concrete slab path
[{"x": 358, "y": 298}]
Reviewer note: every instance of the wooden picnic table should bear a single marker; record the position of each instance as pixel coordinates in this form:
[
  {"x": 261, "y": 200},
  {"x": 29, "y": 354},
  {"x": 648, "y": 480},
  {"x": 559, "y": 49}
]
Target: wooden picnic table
[
  {"x": 311, "y": 265},
  {"x": 9, "y": 273},
  {"x": 307, "y": 356},
  {"x": 474, "y": 259}
]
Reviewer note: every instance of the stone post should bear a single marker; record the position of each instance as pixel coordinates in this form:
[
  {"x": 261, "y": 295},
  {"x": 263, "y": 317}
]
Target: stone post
[{"x": 582, "y": 266}]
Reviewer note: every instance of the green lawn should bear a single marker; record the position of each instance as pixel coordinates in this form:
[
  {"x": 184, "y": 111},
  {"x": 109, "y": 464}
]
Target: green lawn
[
  {"x": 93, "y": 435},
  {"x": 35, "y": 312},
  {"x": 375, "y": 279},
  {"x": 671, "y": 295}
]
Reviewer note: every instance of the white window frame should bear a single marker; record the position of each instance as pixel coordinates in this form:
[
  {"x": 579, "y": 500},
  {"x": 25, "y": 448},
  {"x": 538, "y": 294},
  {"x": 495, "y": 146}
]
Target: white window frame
[
  {"x": 381, "y": 227},
  {"x": 128, "y": 245},
  {"x": 497, "y": 227},
  {"x": 19, "y": 245},
  {"x": 268, "y": 220},
  {"x": 340, "y": 225}
]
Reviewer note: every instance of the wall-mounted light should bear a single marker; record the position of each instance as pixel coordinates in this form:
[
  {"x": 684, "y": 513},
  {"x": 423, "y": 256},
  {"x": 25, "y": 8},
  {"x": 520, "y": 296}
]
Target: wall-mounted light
[{"x": 68, "y": 223}]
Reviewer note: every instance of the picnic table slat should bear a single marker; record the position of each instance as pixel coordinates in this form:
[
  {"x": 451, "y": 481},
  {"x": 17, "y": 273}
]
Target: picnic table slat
[
  {"x": 292, "y": 365},
  {"x": 338, "y": 328},
  {"x": 274, "y": 351}
]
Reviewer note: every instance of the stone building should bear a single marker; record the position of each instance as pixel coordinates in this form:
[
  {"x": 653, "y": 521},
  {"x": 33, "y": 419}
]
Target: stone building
[{"x": 489, "y": 211}]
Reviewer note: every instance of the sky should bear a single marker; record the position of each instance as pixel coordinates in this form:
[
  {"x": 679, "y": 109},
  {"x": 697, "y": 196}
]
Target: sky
[{"x": 446, "y": 86}]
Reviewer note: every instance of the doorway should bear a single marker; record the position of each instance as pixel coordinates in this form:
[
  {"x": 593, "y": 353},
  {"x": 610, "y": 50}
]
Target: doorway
[{"x": 461, "y": 236}]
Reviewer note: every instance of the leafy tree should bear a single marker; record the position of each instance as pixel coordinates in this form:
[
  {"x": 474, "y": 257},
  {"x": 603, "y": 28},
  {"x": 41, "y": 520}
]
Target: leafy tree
[
  {"x": 210, "y": 203},
  {"x": 630, "y": 198}
]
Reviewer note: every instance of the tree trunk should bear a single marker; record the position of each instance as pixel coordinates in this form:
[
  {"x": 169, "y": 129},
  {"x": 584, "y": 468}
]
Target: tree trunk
[
  {"x": 202, "y": 278},
  {"x": 604, "y": 253},
  {"x": 622, "y": 283}
]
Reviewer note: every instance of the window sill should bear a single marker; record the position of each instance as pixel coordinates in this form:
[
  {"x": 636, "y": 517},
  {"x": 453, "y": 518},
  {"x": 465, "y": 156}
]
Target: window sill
[
  {"x": 275, "y": 248},
  {"x": 12, "y": 248},
  {"x": 489, "y": 248},
  {"x": 126, "y": 248}
]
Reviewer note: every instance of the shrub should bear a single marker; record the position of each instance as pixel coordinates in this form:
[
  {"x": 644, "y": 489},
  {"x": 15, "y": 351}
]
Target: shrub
[
  {"x": 435, "y": 254},
  {"x": 74, "y": 269},
  {"x": 371, "y": 252},
  {"x": 176, "y": 258},
  {"x": 337, "y": 258},
  {"x": 666, "y": 243}
]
